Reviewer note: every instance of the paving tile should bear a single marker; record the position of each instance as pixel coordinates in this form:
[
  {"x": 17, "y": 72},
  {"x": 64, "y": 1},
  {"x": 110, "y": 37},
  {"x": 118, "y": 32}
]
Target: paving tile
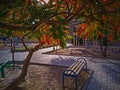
[{"x": 106, "y": 75}]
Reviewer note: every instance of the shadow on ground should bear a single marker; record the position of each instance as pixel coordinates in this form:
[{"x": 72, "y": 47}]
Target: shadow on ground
[{"x": 42, "y": 77}]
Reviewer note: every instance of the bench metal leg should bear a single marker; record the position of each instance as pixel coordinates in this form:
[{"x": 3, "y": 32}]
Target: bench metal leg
[
  {"x": 63, "y": 80},
  {"x": 2, "y": 72},
  {"x": 76, "y": 82}
]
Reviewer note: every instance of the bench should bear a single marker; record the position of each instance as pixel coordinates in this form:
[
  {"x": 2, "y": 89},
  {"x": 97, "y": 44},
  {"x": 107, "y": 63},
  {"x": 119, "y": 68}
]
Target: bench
[
  {"x": 74, "y": 70},
  {"x": 5, "y": 64}
]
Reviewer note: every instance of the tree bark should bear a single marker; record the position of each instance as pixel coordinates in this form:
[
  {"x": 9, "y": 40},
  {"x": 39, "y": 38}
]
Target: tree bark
[
  {"x": 101, "y": 46},
  {"x": 103, "y": 50},
  {"x": 23, "y": 73}
]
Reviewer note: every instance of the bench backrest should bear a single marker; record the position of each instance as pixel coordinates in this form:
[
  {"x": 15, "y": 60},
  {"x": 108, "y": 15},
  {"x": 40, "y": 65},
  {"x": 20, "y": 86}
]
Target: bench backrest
[{"x": 76, "y": 67}]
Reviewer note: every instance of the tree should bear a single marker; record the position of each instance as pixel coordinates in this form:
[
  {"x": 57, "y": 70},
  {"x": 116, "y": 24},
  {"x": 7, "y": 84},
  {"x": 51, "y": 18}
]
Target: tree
[
  {"x": 36, "y": 19},
  {"x": 46, "y": 20},
  {"x": 102, "y": 21}
]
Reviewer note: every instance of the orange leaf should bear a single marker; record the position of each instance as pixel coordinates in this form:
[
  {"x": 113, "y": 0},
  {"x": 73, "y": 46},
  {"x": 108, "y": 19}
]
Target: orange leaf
[
  {"x": 110, "y": 37},
  {"x": 104, "y": 18}
]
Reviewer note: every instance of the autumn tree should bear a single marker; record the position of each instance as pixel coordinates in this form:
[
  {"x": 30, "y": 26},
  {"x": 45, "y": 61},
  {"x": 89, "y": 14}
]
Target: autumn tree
[
  {"x": 38, "y": 19},
  {"x": 46, "y": 21},
  {"x": 102, "y": 22}
]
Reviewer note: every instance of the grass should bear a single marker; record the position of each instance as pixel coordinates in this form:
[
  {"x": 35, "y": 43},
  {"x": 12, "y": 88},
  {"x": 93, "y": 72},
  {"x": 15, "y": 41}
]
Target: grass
[{"x": 22, "y": 49}]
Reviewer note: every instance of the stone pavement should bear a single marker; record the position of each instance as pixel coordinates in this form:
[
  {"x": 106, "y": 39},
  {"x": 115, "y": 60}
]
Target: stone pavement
[{"x": 106, "y": 75}]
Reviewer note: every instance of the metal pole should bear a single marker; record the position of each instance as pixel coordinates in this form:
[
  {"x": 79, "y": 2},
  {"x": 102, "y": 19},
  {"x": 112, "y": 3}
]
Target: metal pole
[{"x": 12, "y": 50}]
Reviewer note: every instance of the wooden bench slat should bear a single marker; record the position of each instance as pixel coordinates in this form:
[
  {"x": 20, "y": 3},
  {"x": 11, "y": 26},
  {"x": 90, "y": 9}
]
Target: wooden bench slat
[
  {"x": 76, "y": 68},
  {"x": 72, "y": 67},
  {"x": 80, "y": 68}
]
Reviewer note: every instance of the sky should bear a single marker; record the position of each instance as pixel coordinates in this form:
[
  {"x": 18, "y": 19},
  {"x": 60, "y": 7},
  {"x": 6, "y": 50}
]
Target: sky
[{"x": 45, "y": 0}]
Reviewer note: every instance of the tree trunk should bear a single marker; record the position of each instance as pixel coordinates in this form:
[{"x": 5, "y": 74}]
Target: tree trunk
[
  {"x": 103, "y": 50},
  {"x": 26, "y": 64},
  {"x": 23, "y": 73},
  {"x": 101, "y": 46}
]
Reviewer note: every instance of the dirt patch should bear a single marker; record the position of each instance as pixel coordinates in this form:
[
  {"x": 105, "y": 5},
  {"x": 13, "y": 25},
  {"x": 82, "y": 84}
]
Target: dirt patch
[
  {"x": 50, "y": 78},
  {"x": 86, "y": 52}
]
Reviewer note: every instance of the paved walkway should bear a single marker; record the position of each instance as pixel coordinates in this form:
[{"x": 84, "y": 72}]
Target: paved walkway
[{"x": 106, "y": 75}]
